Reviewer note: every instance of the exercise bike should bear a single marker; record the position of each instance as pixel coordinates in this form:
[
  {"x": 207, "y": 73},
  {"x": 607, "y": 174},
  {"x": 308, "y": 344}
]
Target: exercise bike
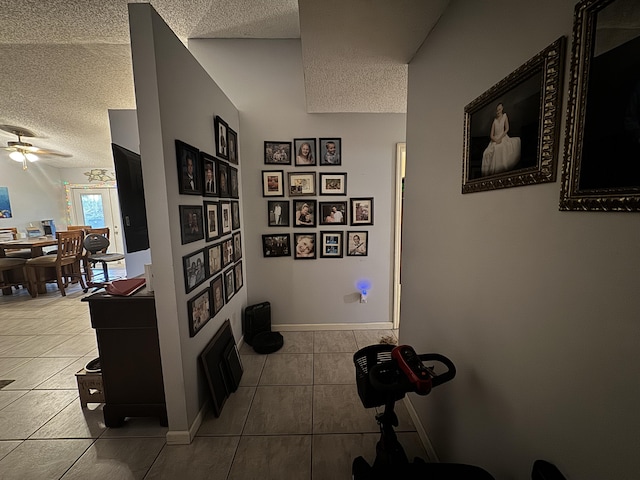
[{"x": 384, "y": 374}]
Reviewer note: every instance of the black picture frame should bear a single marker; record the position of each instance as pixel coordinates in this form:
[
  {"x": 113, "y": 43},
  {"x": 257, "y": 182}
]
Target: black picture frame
[
  {"x": 272, "y": 183},
  {"x": 224, "y": 185},
  {"x": 277, "y": 153},
  {"x": 211, "y": 220},
  {"x": 191, "y": 224},
  {"x": 276, "y": 245},
  {"x": 601, "y": 169},
  {"x": 232, "y": 138},
  {"x": 361, "y": 211},
  {"x": 234, "y": 186},
  {"x": 210, "y": 182},
  {"x": 227, "y": 252},
  {"x": 302, "y": 184},
  {"x": 238, "y": 277},
  {"x": 237, "y": 246},
  {"x": 278, "y": 214},
  {"x": 332, "y": 213},
  {"x": 528, "y": 101},
  {"x": 217, "y": 294},
  {"x": 357, "y": 243},
  {"x": 304, "y": 213},
  {"x": 330, "y": 152},
  {"x": 305, "y": 152},
  {"x": 305, "y": 246},
  {"x": 199, "y": 309},
  {"x": 214, "y": 259},
  {"x": 221, "y": 134},
  {"x": 235, "y": 215},
  {"x": 226, "y": 220},
  {"x": 229, "y": 284},
  {"x": 331, "y": 244},
  {"x": 189, "y": 170},
  {"x": 332, "y": 183},
  {"x": 194, "y": 267}
]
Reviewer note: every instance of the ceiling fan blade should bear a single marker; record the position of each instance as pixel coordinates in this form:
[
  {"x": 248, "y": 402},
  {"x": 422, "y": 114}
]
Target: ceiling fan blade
[{"x": 51, "y": 153}]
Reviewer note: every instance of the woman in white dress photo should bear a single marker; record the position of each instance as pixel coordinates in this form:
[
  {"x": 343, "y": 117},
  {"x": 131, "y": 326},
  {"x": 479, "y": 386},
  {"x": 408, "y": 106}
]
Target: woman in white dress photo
[{"x": 503, "y": 152}]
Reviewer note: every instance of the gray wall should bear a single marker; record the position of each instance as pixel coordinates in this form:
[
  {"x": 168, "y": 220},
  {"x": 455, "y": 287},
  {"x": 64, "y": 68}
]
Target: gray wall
[
  {"x": 264, "y": 79},
  {"x": 538, "y": 308},
  {"x": 176, "y": 99}
]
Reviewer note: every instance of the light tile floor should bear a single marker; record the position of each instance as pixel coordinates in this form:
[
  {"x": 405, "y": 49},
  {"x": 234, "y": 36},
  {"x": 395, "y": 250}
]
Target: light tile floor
[{"x": 296, "y": 414}]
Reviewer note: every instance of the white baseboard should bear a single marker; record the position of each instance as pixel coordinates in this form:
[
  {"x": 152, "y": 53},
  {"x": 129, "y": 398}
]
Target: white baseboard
[
  {"x": 422, "y": 433},
  {"x": 305, "y": 327},
  {"x": 185, "y": 437}
]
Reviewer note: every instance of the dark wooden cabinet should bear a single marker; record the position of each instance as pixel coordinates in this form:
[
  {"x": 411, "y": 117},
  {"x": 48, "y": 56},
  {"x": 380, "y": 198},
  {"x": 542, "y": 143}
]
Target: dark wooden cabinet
[{"x": 127, "y": 334}]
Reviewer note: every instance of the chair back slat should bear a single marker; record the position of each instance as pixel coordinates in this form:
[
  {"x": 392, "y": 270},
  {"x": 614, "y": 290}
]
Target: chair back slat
[{"x": 70, "y": 244}]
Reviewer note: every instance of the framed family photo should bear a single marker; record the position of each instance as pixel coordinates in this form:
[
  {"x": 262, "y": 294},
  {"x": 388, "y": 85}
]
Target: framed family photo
[
  {"x": 330, "y": 151},
  {"x": 278, "y": 213},
  {"x": 227, "y": 252},
  {"x": 278, "y": 245},
  {"x": 333, "y": 183},
  {"x": 237, "y": 246},
  {"x": 331, "y": 244},
  {"x": 222, "y": 141},
  {"x": 235, "y": 215},
  {"x": 194, "y": 267},
  {"x": 214, "y": 259},
  {"x": 272, "y": 183},
  {"x": 305, "y": 246},
  {"x": 212, "y": 221},
  {"x": 223, "y": 178},
  {"x": 229, "y": 284},
  {"x": 189, "y": 171},
  {"x": 277, "y": 153},
  {"x": 304, "y": 213},
  {"x": 225, "y": 218},
  {"x": 217, "y": 295},
  {"x": 234, "y": 187},
  {"x": 191, "y": 224},
  {"x": 305, "y": 150},
  {"x": 512, "y": 130},
  {"x": 209, "y": 175},
  {"x": 237, "y": 276},
  {"x": 199, "y": 311},
  {"x": 361, "y": 211},
  {"x": 232, "y": 138},
  {"x": 601, "y": 170},
  {"x": 333, "y": 213},
  {"x": 357, "y": 243},
  {"x": 301, "y": 184}
]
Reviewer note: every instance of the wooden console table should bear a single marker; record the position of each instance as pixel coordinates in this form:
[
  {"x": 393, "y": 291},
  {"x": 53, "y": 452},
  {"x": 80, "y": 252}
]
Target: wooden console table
[{"x": 127, "y": 333}]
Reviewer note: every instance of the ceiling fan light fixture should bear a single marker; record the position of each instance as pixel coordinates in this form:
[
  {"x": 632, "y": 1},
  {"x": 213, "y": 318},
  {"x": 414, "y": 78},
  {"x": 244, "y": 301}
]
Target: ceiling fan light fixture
[
  {"x": 32, "y": 157},
  {"x": 17, "y": 156}
]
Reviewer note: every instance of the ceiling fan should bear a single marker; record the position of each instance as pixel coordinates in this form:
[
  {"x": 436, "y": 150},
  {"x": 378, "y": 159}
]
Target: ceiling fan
[{"x": 25, "y": 152}]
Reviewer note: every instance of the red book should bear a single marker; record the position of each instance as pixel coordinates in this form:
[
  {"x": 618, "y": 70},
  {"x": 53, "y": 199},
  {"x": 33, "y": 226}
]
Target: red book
[{"x": 125, "y": 287}]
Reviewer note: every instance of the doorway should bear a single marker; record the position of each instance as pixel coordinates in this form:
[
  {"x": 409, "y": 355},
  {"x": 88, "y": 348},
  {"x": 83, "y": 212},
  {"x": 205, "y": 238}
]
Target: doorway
[
  {"x": 98, "y": 207},
  {"x": 401, "y": 159}
]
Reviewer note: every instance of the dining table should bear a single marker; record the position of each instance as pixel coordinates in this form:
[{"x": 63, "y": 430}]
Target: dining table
[{"x": 35, "y": 244}]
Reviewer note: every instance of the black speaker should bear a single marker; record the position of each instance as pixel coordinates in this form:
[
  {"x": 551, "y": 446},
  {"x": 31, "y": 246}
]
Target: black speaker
[{"x": 257, "y": 319}]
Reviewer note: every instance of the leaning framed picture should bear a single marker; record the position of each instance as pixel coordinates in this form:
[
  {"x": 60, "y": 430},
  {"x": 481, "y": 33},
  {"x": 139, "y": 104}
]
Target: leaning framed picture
[
  {"x": 305, "y": 149},
  {"x": 357, "y": 243},
  {"x": 217, "y": 295},
  {"x": 278, "y": 213},
  {"x": 212, "y": 220},
  {"x": 189, "y": 171},
  {"x": 194, "y": 267},
  {"x": 330, "y": 151},
  {"x": 225, "y": 218},
  {"x": 333, "y": 183},
  {"x": 272, "y": 183},
  {"x": 237, "y": 246},
  {"x": 277, "y": 153},
  {"x": 333, "y": 213},
  {"x": 224, "y": 184},
  {"x": 278, "y": 245},
  {"x": 301, "y": 184},
  {"x": 235, "y": 214},
  {"x": 222, "y": 134},
  {"x": 209, "y": 175},
  {"x": 361, "y": 211},
  {"x": 601, "y": 170},
  {"x": 234, "y": 188},
  {"x": 191, "y": 224},
  {"x": 227, "y": 252},
  {"x": 199, "y": 309},
  {"x": 330, "y": 244},
  {"x": 214, "y": 259},
  {"x": 237, "y": 276},
  {"x": 232, "y": 141},
  {"x": 305, "y": 246},
  {"x": 304, "y": 213},
  {"x": 511, "y": 131},
  {"x": 229, "y": 284}
]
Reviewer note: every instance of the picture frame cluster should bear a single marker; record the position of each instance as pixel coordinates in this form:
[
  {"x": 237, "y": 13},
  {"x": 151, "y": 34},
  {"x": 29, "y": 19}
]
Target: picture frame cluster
[{"x": 216, "y": 219}]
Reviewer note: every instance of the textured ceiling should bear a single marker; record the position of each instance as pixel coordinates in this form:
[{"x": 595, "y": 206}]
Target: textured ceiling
[{"x": 65, "y": 63}]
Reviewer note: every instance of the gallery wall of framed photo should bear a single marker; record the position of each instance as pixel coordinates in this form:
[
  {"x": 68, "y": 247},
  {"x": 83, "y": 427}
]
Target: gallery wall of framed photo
[
  {"x": 309, "y": 195},
  {"x": 216, "y": 220}
]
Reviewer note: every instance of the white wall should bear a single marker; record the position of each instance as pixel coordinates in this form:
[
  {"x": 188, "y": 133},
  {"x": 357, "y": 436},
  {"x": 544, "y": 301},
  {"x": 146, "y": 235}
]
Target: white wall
[
  {"x": 264, "y": 79},
  {"x": 35, "y": 194},
  {"x": 176, "y": 99},
  {"x": 538, "y": 308}
]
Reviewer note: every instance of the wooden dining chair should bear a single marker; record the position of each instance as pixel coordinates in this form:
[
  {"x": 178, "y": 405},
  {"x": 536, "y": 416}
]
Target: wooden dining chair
[
  {"x": 66, "y": 263},
  {"x": 12, "y": 274}
]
